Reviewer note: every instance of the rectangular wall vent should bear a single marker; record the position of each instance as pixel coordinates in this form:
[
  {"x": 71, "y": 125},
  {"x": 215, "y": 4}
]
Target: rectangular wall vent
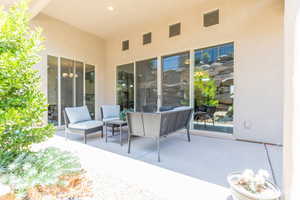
[
  {"x": 147, "y": 38},
  {"x": 174, "y": 30},
  {"x": 125, "y": 45},
  {"x": 211, "y": 18}
]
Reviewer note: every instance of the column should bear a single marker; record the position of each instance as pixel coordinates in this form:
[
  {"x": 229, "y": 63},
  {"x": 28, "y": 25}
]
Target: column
[{"x": 291, "y": 131}]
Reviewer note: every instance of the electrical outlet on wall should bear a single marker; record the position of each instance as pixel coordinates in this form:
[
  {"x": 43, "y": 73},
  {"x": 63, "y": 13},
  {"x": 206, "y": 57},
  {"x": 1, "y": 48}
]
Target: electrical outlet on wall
[{"x": 247, "y": 124}]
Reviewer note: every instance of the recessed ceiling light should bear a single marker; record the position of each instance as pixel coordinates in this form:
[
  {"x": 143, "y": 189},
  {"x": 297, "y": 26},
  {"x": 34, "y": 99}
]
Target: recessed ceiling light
[{"x": 110, "y": 8}]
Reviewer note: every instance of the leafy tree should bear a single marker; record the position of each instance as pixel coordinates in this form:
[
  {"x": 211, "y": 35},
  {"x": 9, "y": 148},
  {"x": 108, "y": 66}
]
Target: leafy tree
[
  {"x": 22, "y": 103},
  {"x": 205, "y": 89}
]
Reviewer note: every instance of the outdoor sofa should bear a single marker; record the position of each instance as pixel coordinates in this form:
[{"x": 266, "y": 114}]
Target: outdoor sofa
[
  {"x": 157, "y": 125},
  {"x": 78, "y": 120}
]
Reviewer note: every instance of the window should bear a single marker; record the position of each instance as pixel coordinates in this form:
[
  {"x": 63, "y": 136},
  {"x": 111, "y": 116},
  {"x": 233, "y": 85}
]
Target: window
[
  {"x": 125, "y": 45},
  {"x": 147, "y": 38},
  {"x": 66, "y": 89},
  {"x": 174, "y": 30},
  {"x": 146, "y": 85},
  {"x": 90, "y": 88},
  {"x": 175, "y": 80},
  {"x": 67, "y": 85},
  {"x": 79, "y": 83},
  {"x": 214, "y": 88},
  {"x": 211, "y": 18},
  {"x": 125, "y": 86},
  {"x": 52, "y": 89}
]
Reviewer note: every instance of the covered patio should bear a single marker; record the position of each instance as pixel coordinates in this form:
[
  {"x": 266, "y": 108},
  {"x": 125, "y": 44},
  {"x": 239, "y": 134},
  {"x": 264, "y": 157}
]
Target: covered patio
[
  {"x": 241, "y": 51},
  {"x": 204, "y": 158},
  {"x": 234, "y": 63}
]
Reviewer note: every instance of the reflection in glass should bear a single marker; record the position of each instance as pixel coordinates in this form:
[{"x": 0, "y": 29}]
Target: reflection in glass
[
  {"x": 67, "y": 84},
  {"x": 79, "y": 82},
  {"x": 125, "y": 86},
  {"x": 146, "y": 85},
  {"x": 90, "y": 88},
  {"x": 52, "y": 71},
  {"x": 175, "y": 80},
  {"x": 214, "y": 88}
]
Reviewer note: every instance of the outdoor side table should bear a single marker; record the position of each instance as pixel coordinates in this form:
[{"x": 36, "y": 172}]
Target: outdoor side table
[{"x": 118, "y": 123}]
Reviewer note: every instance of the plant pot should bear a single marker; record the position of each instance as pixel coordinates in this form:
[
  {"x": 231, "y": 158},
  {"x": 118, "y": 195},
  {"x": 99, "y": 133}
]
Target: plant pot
[{"x": 240, "y": 193}]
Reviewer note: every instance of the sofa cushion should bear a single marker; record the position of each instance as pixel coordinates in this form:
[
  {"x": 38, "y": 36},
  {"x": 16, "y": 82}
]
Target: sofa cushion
[
  {"x": 110, "y": 111},
  {"x": 85, "y": 125},
  {"x": 78, "y": 114},
  {"x": 165, "y": 108},
  {"x": 182, "y": 108}
]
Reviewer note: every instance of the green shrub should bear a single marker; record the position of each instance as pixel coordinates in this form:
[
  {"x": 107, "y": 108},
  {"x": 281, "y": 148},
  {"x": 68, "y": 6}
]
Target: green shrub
[
  {"x": 22, "y": 104},
  {"x": 124, "y": 112},
  {"x": 205, "y": 89},
  {"x": 43, "y": 168}
]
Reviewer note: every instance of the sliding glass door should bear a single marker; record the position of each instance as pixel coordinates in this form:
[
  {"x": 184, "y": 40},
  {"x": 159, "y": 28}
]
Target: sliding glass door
[
  {"x": 52, "y": 92},
  {"x": 70, "y": 83},
  {"x": 79, "y": 83},
  {"x": 214, "y": 88},
  {"x": 176, "y": 80},
  {"x": 67, "y": 84},
  {"x": 170, "y": 81},
  {"x": 146, "y": 85},
  {"x": 90, "y": 88},
  {"x": 125, "y": 86}
]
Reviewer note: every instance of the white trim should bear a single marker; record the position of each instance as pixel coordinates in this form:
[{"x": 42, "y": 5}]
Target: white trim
[
  {"x": 134, "y": 85},
  {"x": 191, "y": 83},
  {"x": 59, "y": 92},
  {"x": 74, "y": 82},
  {"x": 159, "y": 81},
  {"x": 83, "y": 77}
]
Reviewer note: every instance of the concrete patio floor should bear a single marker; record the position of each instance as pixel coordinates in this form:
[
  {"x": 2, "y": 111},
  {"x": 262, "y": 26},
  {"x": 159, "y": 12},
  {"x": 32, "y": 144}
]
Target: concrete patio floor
[{"x": 205, "y": 158}]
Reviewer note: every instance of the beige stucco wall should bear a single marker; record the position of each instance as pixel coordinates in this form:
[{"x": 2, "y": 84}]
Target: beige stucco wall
[
  {"x": 255, "y": 27},
  {"x": 67, "y": 41}
]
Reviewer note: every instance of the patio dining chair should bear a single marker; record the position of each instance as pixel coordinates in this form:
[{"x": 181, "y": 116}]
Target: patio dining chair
[
  {"x": 204, "y": 113},
  {"x": 110, "y": 113},
  {"x": 78, "y": 120}
]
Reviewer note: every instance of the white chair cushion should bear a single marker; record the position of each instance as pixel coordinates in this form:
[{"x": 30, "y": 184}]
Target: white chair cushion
[
  {"x": 78, "y": 114},
  {"x": 110, "y": 119},
  {"x": 111, "y": 111},
  {"x": 86, "y": 125}
]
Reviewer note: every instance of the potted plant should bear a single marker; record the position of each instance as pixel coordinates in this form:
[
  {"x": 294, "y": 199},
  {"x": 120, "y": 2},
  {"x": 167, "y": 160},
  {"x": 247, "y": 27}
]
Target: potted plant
[
  {"x": 251, "y": 186},
  {"x": 124, "y": 112}
]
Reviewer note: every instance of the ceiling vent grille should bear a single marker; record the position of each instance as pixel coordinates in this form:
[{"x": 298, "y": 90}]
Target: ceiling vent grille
[
  {"x": 147, "y": 38},
  {"x": 211, "y": 18},
  {"x": 125, "y": 45},
  {"x": 174, "y": 30}
]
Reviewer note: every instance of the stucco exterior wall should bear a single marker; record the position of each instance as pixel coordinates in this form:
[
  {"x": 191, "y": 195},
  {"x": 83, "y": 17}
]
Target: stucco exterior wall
[
  {"x": 69, "y": 42},
  {"x": 255, "y": 27}
]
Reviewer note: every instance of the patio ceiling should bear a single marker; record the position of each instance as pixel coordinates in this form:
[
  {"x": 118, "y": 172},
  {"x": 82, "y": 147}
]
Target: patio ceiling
[
  {"x": 108, "y": 17},
  {"x": 36, "y": 6}
]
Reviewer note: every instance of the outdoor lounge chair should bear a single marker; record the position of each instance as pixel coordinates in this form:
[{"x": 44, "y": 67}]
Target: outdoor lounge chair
[
  {"x": 78, "y": 120},
  {"x": 156, "y": 125}
]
